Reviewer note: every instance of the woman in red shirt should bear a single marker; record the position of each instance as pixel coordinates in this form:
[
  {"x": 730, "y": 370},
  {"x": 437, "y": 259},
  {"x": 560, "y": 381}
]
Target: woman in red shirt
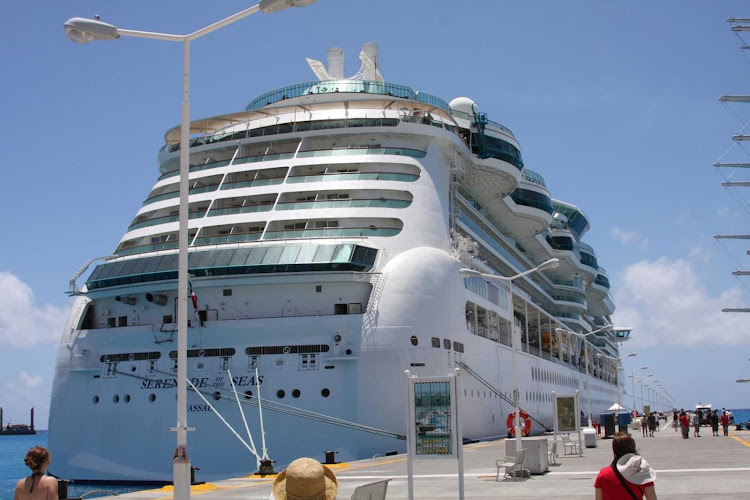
[{"x": 629, "y": 477}]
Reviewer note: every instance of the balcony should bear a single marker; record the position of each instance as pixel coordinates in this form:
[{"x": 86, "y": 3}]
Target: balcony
[
  {"x": 343, "y": 203},
  {"x": 337, "y": 232}
]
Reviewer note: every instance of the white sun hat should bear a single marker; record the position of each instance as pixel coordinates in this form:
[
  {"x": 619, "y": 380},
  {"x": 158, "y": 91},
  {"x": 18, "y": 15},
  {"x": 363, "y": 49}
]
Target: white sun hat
[{"x": 635, "y": 469}]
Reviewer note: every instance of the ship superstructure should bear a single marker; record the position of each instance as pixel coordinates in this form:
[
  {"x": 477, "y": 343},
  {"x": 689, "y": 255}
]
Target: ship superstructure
[{"x": 328, "y": 223}]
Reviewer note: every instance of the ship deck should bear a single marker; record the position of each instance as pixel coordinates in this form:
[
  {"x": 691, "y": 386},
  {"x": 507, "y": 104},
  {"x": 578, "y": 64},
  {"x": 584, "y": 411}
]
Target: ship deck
[{"x": 694, "y": 468}]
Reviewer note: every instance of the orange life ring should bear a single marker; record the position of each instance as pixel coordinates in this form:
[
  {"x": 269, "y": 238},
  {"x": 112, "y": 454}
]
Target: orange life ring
[{"x": 526, "y": 423}]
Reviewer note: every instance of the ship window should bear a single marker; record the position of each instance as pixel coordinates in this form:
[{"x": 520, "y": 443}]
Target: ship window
[
  {"x": 414, "y": 340},
  {"x": 116, "y": 398},
  {"x": 152, "y": 397},
  {"x": 167, "y": 318},
  {"x": 122, "y": 321},
  {"x": 248, "y": 394},
  {"x": 96, "y": 400},
  {"x": 322, "y": 224},
  {"x": 458, "y": 347},
  {"x": 296, "y": 393},
  {"x": 447, "y": 343},
  {"x": 227, "y": 292},
  {"x": 127, "y": 398},
  {"x": 280, "y": 394},
  {"x": 435, "y": 342},
  {"x": 340, "y": 309},
  {"x": 318, "y": 288},
  {"x": 325, "y": 393},
  {"x": 217, "y": 395},
  {"x": 111, "y": 322}
]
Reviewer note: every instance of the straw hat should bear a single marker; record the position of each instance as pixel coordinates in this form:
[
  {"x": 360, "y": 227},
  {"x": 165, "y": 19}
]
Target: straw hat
[
  {"x": 635, "y": 469},
  {"x": 305, "y": 479}
]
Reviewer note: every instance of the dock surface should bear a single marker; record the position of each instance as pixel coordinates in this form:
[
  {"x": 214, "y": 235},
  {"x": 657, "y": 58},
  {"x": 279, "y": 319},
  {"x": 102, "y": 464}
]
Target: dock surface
[{"x": 704, "y": 467}]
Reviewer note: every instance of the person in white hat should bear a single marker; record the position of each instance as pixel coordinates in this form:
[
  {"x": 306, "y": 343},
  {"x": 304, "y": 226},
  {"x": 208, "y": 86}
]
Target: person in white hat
[
  {"x": 305, "y": 479},
  {"x": 629, "y": 477}
]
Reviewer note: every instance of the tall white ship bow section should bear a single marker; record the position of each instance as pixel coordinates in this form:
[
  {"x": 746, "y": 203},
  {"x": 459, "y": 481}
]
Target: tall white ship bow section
[{"x": 328, "y": 224}]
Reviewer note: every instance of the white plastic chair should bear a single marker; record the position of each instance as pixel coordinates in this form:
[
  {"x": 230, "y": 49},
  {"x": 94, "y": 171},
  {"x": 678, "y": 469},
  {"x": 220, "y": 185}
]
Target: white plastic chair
[
  {"x": 569, "y": 444},
  {"x": 372, "y": 491},
  {"x": 513, "y": 465},
  {"x": 552, "y": 454}
]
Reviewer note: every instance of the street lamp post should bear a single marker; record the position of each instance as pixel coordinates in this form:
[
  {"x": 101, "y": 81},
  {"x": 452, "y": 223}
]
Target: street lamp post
[
  {"x": 632, "y": 376},
  {"x": 472, "y": 273},
  {"x": 586, "y": 356},
  {"x": 82, "y": 30}
]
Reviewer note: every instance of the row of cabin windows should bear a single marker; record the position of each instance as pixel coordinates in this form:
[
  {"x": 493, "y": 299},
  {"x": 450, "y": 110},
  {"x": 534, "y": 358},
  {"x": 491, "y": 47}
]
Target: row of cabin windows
[
  {"x": 457, "y": 346},
  {"x": 548, "y": 377}
]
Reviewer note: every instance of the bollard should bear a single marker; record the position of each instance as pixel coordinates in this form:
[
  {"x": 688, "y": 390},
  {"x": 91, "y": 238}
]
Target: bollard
[
  {"x": 330, "y": 457},
  {"x": 266, "y": 468},
  {"x": 193, "y": 482},
  {"x": 62, "y": 489}
]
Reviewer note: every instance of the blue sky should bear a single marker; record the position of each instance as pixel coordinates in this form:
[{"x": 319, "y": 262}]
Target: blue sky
[{"x": 614, "y": 103}]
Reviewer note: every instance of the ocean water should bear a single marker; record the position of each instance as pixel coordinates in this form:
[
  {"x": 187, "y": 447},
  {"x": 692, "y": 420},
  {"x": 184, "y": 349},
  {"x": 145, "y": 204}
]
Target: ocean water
[
  {"x": 12, "y": 452},
  {"x": 741, "y": 415}
]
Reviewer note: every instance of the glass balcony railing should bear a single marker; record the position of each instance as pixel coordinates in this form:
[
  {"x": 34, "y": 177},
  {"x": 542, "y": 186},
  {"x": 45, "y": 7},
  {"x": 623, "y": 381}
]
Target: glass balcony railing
[
  {"x": 575, "y": 283},
  {"x": 253, "y": 183},
  {"x": 226, "y": 238},
  {"x": 533, "y": 199},
  {"x": 301, "y": 205},
  {"x": 353, "y": 176},
  {"x": 531, "y": 176},
  {"x": 330, "y": 232},
  {"x": 414, "y": 153},
  {"x": 259, "y": 158},
  {"x": 164, "y": 220},
  {"x": 602, "y": 280},
  {"x": 249, "y": 209},
  {"x": 196, "y": 168},
  {"x": 569, "y": 298},
  {"x": 176, "y": 194},
  {"x": 165, "y": 245}
]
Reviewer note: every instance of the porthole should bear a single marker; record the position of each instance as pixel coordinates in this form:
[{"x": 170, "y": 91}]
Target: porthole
[
  {"x": 325, "y": 393},
  {"x": 446, "y": 343},
  {"x": 296, "y": 393},
  {"x": 217, "y": 395},
  {"x": 280, "y": 394},
  {"x": 248, "y": 394},
  {"x": 200, "y": 366},
  {"x": 133, "y": 368},
  {"x": 127, "y": 398},
  {"x": 414, "y": 340},
  {"x": 116, "y": 398},
  {"x": 96, "y": 400},
  {"x": 152, "y": 397}
]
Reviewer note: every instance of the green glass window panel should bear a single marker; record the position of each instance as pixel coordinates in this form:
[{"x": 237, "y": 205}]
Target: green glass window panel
[
  {"x": 115, "y": 269},
  {"x": 209, "y": 260},
  {"x": 256, "y": 256},
  {"x": 239, "y": 257},
  {"x": 195, "y": 258},
  {"x": 272, "y": 256},
  {"x": 289, "y": 255},
  {"x": 324, "y": 253},
  {"x": 307, "y": 254},
  {"x": 152, "y": 264},
  {"x": 224, "y": 258},
  {"x": 342, "y": 253},
  {"x": 127, "y": 269},
  {"x": 168, "y": 263},
  {"x": 97, "y": 272}
]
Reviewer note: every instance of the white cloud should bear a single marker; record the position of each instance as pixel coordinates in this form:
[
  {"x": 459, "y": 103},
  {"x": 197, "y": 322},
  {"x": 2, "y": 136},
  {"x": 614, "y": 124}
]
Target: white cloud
[
  {"x": 666, "y": 304},
  {"x": 628, "y": 237},
  {"x": 29, "y": 381},
  {"x": 22, "y": 322}
]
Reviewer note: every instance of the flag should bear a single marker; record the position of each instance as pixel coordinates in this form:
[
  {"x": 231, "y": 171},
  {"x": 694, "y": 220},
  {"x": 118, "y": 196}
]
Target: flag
[{"x": 193, "y": 297}]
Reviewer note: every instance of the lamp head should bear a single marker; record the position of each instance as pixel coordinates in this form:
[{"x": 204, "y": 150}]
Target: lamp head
[
  {"x": 632, "y": 355},
  {"x": 469, "y": 273},
  {"x": 81, "y": 30},
  {"x": 270, "y": 6},
  {"x": 548, "y": 264},
  {"x": 563, "y": 330}
]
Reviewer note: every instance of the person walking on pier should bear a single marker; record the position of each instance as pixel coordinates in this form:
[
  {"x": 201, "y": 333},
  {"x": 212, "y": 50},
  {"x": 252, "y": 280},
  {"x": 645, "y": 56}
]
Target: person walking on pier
[
  {"x": 628, "y": 477},
  {"x": 715, "y": 422},
  {"x": 675, "y": 420},
  {"x": 651, "y": 423},
  {"x": 37, "y": 486},
  {"x": 697, "y": 424},
  {"x": 725, "y": 422},
  {"x": 644, "y": 426},
  {"x": 684, "y": 425}
]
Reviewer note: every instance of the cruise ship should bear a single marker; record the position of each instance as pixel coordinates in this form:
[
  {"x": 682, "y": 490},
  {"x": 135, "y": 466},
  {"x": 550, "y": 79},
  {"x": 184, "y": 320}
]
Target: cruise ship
[{"x": 329, "y": 222}]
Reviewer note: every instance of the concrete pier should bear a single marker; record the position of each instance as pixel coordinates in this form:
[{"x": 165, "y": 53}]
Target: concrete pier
[{"x": 704, "y": 467}]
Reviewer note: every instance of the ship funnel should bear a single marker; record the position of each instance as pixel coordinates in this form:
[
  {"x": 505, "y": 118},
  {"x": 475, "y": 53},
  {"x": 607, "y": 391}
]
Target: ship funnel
[
  {"x": 336, "y": 63},
  {"x": 159, "y": 299},
  {"x": 125, "y": 300},
  {"x": 372, "y": 52}
]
